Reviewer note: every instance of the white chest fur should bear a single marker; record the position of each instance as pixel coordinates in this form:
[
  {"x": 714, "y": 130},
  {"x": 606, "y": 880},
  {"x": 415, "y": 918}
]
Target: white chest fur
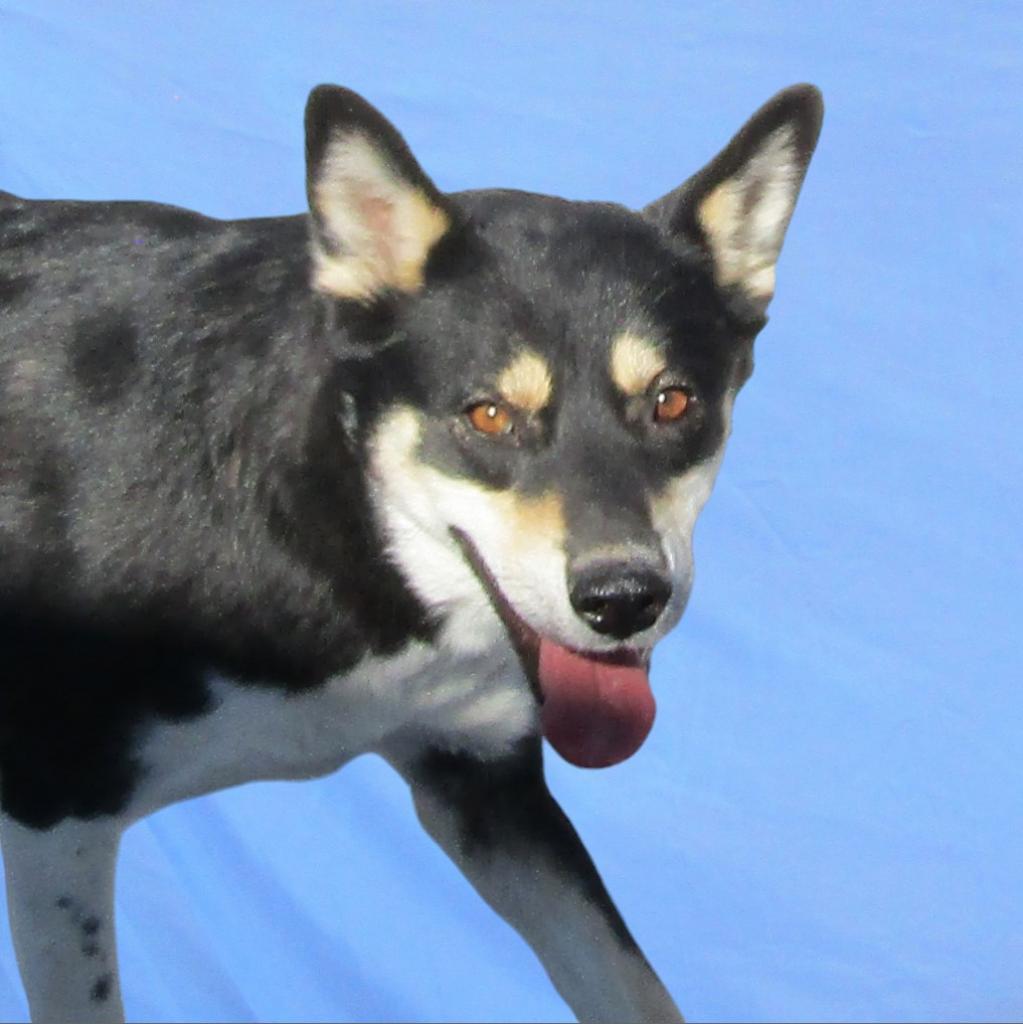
[{"x": 474, "y": 699}]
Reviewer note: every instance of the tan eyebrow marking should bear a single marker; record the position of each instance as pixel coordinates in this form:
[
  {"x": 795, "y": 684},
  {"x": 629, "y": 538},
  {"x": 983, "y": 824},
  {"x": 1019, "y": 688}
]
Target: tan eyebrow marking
[
  {"x": 526, "y": 381},
  {"x": 635, "y": 362}
]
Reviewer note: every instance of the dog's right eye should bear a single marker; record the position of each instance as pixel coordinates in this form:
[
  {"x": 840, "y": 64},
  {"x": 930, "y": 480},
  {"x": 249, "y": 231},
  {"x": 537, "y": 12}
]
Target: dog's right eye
[
  {"x": 491, "y": 418},
  {"x": 670, "y": 405}
]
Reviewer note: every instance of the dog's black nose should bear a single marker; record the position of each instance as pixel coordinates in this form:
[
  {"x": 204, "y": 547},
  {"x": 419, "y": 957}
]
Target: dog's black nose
[{"x": 617, "y": 599}]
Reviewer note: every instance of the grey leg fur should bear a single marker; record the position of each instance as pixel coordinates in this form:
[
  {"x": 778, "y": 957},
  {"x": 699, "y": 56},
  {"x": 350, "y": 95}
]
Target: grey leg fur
[
  {"x": 504, "y": 830},
  {"x": 60, "y": 894}
]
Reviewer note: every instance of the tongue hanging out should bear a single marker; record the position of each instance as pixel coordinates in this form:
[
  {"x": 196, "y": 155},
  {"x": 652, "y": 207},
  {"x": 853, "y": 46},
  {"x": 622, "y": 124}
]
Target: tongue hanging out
[{"x": 597, "y": 711}]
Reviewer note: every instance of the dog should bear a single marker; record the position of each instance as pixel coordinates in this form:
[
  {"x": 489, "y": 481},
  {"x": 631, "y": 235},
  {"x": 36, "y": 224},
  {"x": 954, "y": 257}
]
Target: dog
[{"x": 413, "y": 473}]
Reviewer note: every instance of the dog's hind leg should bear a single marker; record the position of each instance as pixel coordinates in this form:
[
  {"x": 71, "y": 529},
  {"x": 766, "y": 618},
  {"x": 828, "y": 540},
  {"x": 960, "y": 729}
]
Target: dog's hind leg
[
  {"x": 60, "y": 896},
  {"x": 501, "y": 826}
]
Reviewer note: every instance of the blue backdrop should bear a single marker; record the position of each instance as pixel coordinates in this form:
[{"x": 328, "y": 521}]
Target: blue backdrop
[{"x": 825, "y": 823}]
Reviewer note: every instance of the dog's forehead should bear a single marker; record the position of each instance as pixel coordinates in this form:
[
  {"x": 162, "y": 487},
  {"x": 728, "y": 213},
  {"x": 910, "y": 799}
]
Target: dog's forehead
[
  {"x": 593, "y": 283},
  {"x": 545, "y": 239}
]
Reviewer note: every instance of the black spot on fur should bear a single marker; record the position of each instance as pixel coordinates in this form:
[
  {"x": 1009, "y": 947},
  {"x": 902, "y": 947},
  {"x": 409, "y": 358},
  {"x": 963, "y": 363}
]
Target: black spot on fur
[
  {"x": 90, "y": 949},
  {"x": 100, "y": 991},
  {"x": 13, "y": 288},
  {"x": 104, "y": 356},
  {"x": 64, "y": 903},
  {"x": 90, "y": 925},
  {"x": 45, "y": 482}
]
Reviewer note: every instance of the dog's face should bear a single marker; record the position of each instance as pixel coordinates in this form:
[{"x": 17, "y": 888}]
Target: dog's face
[{"x": 543, "y": 389}]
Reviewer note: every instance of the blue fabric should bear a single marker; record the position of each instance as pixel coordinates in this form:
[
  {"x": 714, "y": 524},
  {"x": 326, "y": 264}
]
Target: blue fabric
[{"x": 825, "y": 823}]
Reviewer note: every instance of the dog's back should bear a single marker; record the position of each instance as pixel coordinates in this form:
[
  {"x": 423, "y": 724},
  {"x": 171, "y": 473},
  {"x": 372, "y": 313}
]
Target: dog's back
[{"x": 120, "y": 354}]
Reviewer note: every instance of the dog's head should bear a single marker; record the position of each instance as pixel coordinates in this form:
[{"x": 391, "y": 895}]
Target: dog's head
[{"x": 542, "y": 389}]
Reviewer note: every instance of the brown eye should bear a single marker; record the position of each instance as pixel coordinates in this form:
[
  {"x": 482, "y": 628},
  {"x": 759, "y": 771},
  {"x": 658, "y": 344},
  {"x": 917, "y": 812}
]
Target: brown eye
[
  {"x": 490, "y": 418},
  {"x": 671, "y": 405}
]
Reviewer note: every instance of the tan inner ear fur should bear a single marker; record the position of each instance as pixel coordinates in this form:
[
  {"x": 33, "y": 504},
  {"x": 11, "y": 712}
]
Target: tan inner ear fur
[
  {"x": 635, "y": 363},
  {"x": 384, "y": 227},
  {"x": 526, "y": 382},
  {"x": 745, "y": 238}
]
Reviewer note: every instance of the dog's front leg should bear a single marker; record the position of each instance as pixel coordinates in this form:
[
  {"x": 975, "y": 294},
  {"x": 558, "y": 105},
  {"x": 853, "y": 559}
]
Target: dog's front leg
[
  {"x": 60, "y": 896},
  {"x": 499, "y": 823}
]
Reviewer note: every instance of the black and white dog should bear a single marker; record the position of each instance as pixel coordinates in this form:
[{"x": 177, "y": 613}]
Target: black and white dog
[{"x": 413, "y": 474}]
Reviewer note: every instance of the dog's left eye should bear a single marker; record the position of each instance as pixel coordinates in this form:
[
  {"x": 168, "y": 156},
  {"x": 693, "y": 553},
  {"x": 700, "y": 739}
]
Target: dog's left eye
[
  {"x": 490, "y": 418},
  {"x": 670, "y": 405}
]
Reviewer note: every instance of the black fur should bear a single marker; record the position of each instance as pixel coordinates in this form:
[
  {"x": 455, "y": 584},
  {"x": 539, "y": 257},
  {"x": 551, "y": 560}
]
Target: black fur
[
  {"x": 100, "y": 990},
  {"x": 192, "y": 414},
  {"x": 505, "y": 806},
  {"x": 173, "y": 467},
  {"x": 184, "y": 421}
]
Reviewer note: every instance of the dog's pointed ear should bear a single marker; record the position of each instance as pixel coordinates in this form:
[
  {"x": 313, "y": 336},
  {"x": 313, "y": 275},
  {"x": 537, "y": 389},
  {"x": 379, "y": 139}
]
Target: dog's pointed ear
[
  {"x": 738, "y": 207},
  {"x": 375, "y": 215}
]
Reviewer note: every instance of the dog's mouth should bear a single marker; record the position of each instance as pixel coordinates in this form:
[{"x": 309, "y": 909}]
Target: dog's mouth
[{"x": 596, "y": 709}]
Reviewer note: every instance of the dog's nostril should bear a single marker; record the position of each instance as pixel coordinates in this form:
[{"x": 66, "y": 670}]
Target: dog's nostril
[
  {"x": 616, "y": 600},
  {"x": 592, "y": 606}
]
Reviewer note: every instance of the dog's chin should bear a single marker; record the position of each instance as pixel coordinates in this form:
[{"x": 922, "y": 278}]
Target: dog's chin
[{"x": 597, "y": 707}]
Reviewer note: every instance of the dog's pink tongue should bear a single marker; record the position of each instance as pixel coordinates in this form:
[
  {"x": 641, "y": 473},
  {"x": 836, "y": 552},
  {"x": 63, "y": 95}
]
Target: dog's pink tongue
[{"x": 595, "y": 712}]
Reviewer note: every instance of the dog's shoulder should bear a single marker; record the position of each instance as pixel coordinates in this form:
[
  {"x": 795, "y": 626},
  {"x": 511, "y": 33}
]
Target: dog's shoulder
[{"x": 171, "y": 453}]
